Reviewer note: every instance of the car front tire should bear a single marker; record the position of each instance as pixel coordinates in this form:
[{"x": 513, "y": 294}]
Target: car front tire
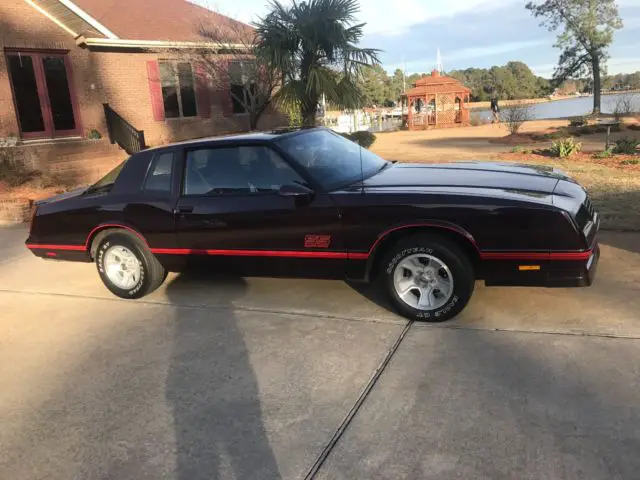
[
  {"x": 427, "y": 278},
  {"x": 126, "y": 266}
]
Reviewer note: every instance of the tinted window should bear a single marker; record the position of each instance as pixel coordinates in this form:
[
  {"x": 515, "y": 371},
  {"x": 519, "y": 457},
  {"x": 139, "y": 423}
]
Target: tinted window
[
  {"x": 159, "y": 176},
  {"x": 332, "y": 159},
  {"x": 237, "y": 170},
  {"x": 108, "y": 180}
]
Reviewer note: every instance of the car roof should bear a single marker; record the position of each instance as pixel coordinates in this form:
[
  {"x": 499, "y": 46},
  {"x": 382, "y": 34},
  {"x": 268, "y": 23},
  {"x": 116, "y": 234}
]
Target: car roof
[{"x": 237, "y": 138}]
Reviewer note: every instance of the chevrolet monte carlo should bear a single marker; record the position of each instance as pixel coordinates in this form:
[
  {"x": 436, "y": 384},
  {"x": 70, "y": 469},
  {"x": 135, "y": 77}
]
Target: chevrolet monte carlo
[{"x": 311, "y": 204}]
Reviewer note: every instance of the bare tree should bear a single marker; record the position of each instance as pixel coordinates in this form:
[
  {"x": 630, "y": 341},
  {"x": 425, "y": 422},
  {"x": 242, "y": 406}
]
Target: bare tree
[
  {"x": 235, "y": 69},
  {"x": 515, "y": 115},
  {"x": 623, "y": 105}
]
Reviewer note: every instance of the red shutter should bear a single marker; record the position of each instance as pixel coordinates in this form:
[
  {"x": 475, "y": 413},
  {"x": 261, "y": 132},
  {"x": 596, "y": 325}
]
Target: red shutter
[
  {"x": 202, "y": 91},
  {"x": 155, "y": 89}
]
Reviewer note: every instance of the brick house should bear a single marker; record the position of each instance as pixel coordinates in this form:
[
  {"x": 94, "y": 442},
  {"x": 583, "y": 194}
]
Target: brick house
[{"x": 63, "y": 60}]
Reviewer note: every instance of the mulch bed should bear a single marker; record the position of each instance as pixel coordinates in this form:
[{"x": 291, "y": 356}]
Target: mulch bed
[{"x": 16, "y": 202}]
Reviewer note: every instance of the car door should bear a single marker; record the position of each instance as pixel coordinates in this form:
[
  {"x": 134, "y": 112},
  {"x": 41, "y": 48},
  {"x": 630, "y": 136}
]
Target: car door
[{"x": 234, "y": 216}]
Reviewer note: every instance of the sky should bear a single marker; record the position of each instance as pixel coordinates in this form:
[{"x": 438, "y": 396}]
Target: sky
[{"x": 469, "y": 33}]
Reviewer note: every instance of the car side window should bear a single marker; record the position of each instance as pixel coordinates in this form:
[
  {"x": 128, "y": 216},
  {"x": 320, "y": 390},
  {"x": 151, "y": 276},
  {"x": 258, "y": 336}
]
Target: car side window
[
  {"x": 159, "y": 175},
  {"x": 237, "y": 170}
]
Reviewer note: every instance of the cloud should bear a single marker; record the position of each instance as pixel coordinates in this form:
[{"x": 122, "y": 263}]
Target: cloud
[
  {"x": 469, "y": 33},
  {"x": 394, "y": 17},
  {"x": 384, "y": 17},
  {"x": 491, "y": 50},
  {"x": 545, "y": 70}
]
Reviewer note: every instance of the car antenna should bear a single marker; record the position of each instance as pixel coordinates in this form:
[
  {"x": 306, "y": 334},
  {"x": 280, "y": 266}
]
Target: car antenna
[{"x": 361, "y": 171}]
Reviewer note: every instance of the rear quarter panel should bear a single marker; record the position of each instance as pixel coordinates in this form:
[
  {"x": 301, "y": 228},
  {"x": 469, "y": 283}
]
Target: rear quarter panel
[{"x": 76, "y": 220}]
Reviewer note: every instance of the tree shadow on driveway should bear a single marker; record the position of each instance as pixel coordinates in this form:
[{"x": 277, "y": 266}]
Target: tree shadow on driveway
[{"x": 213, "y": 391}]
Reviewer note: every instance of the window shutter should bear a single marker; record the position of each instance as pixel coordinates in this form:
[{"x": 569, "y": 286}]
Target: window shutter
[
  {"x": 155, "y": 89},
  {"x": 225, "y": 93},
  {"x": 202, "y": 91}
]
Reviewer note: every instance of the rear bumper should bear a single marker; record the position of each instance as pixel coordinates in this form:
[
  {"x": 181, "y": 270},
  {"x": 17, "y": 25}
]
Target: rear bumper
[{"x": 71, "y": 253}]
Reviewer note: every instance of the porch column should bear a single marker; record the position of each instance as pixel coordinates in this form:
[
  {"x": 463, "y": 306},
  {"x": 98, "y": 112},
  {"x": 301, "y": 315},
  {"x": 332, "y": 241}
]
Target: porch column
[
  {"x": 409, "y": 113},
  {"x": 435, "y": 109}
]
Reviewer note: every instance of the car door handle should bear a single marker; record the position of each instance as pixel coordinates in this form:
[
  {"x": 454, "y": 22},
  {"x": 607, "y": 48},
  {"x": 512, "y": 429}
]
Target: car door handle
[{"x": 183, "y": 209}]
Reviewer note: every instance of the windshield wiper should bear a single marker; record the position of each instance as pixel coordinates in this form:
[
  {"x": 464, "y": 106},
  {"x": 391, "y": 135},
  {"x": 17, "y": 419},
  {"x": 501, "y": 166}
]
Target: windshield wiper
[{"x": 386, "y": 164}]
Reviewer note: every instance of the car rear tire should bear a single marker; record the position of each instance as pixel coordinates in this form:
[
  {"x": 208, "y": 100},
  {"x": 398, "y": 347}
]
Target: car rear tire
[
  {"x": 126, "y": 266},
  {"x": 427, "y": 278}
]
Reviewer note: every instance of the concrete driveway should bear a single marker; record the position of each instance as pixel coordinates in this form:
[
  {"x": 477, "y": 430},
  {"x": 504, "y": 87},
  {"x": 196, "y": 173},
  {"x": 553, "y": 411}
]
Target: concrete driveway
[{"x": 259, "y": 378}]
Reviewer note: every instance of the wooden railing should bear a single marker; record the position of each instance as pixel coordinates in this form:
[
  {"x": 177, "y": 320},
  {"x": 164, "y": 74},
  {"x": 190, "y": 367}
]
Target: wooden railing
[{"x": 122, "y": 132}]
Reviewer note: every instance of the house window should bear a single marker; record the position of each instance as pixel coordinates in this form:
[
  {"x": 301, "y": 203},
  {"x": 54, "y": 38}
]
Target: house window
[
  {"x": 243, "y": 87},
  {"x": 178, "y": 92}
]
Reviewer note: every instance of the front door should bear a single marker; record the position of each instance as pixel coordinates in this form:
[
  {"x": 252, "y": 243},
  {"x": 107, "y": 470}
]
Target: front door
[
  {"x": 43, "y": 94},
  {"x": 231, "y": 215}
]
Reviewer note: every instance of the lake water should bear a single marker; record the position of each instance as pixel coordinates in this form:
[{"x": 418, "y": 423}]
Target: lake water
[{"x": 571, "y": 107}]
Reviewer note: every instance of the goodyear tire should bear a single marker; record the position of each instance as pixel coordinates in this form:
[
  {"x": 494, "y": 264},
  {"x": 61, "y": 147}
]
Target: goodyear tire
[
  {"x": 126, "y": 266},
  {"x": 427, "y": 278}
]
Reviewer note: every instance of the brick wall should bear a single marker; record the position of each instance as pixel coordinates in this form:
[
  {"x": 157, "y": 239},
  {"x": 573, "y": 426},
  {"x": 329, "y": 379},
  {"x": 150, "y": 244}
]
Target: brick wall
[
  {"x": 119, "y": 79},
  {"x": 125, "y": 84},
  {"x": 21, "y": 26}
]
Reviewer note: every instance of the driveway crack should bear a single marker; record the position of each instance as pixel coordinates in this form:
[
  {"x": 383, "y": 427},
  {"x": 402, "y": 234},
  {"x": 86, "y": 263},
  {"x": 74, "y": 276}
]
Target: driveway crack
[{"x": 315, "y": 468}]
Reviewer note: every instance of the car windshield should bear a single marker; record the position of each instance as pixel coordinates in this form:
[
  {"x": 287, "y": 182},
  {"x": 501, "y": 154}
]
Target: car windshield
[
  {"x": 108, "y": 180},
  {"x": 333, "y": 160}
]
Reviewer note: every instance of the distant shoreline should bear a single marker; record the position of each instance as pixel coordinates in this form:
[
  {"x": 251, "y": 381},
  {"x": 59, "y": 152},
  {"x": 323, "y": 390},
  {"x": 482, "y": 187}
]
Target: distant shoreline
[{"x": 533, "y": 101}]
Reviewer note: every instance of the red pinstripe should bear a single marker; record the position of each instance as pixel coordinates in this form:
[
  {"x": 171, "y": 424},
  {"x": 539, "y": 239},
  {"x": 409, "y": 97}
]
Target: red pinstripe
[
  {"x": 249, "y": 253},
  {"x": 558, "y": 256},
  {"x": 112, "y": 225},
  {"x": 524, "y": 256},
  {"x": 41, "y": 246}
]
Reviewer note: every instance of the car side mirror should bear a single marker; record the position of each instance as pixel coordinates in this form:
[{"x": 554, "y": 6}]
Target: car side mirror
[{"x": 297, "y": 191}]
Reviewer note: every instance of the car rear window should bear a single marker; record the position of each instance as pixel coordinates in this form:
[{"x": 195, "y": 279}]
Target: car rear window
[{"x": 108, "y": 180}]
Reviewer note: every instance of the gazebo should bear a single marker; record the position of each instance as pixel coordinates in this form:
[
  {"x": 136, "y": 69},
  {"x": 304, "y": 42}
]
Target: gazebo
[{"x": 437, "y": 101}]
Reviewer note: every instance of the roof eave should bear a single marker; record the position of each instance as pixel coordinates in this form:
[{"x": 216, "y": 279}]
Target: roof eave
[
  {"x": 88, "y": 18},
  {"x": 122, "y": 43}
]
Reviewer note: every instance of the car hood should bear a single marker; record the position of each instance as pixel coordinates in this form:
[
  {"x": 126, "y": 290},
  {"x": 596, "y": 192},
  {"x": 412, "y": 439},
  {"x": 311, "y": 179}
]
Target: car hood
[{"x": 460, "y": 175}]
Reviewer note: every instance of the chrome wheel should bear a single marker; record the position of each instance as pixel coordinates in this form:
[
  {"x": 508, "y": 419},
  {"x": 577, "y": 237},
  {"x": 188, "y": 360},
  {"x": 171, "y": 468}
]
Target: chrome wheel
[
  {"x": 122, "y": 267},
  {"x": 423, "y": 281}
]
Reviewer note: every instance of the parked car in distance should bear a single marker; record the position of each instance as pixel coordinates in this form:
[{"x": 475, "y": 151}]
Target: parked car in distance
[{"x": 309, "y": 203}]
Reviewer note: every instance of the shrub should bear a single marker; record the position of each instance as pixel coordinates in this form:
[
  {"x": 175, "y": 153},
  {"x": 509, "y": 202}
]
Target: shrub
[
  {"x": 364, "y": 139},
  {"x": 578, "y": 122},
  {"x": 623, "y": 106},
  {"x": 565, "y": 147},
  {"x": 477, "y": 120},
  {"x": 626, "y": 145},
  {"x": 13, "y": 169},
  {"x": 515, "y": 115},
  {"x": 524, "y": 150},
  {"x": 603, "y": 154},
  {"x": 94, "y": 134}
]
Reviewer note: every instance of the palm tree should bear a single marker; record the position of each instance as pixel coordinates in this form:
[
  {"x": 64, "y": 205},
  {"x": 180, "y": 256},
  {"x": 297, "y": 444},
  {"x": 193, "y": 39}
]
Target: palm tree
[{"x": 312, "y": 44}]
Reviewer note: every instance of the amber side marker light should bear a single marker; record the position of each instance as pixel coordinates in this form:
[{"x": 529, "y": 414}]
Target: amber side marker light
[{"x": 528, "y": 268}]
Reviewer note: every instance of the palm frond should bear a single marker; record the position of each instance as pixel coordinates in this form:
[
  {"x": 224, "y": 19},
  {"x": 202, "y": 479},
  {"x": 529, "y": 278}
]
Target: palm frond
[
  {"x": 313, "y": 43},
  {"x": 291, "y": 93}
]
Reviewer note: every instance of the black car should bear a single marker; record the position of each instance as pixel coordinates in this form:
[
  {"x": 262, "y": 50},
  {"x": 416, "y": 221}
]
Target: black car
[{"x": 309, "y": 203}]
